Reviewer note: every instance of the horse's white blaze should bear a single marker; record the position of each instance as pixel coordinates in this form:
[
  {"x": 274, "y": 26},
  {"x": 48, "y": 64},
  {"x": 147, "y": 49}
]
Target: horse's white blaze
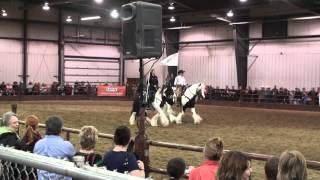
[{"x": 132, "y": 120}]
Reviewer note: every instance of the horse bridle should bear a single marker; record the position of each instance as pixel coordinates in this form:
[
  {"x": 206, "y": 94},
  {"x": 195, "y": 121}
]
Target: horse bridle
[{"x": 191, "y": 93}]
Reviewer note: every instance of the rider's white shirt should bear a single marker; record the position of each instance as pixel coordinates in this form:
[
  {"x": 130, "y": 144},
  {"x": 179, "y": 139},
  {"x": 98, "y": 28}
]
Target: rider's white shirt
[{"x": 180, "y": 80}]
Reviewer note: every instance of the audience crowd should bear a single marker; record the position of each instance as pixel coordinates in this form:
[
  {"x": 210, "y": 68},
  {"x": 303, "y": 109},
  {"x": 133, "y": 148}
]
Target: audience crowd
[
  {"x": 217, "y": 165},
  {"x": 263, "y": 95}
]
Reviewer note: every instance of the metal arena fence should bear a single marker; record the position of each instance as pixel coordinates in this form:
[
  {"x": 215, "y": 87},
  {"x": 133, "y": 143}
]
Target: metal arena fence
[
  {"x": 314, "y": 165},
  {"x": 20, "y": 165}
]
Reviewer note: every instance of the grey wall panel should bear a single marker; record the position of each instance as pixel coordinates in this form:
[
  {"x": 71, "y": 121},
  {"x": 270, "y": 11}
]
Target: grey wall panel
[
  {"x": 212, "y": 70},
  {"x": 211, "y": 63},
  {"x": 42, "y": 62},
  {"x": 255, "y": 30},
  {"x": 11, "y": 61},
  {"x": 10, "y": 29},
  {"x": 88, "y": 70},
  {"x": 305, "y": 27},
  {"x": 40, "y": 31},
  {"x": 91, "y": 50}
]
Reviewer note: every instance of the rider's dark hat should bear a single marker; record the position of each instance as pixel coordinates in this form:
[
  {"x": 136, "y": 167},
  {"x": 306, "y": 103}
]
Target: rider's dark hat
[{"x": 181, "y": 71}]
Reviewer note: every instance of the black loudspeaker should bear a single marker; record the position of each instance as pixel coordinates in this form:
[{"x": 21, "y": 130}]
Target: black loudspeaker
[{"x": 141, "y": 30}]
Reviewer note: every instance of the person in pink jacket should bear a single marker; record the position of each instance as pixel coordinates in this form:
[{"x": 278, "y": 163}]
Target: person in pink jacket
[{"x": 213, "y": 151}]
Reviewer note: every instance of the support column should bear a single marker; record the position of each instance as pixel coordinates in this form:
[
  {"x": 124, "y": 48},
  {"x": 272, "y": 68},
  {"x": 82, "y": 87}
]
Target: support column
[
  {"x": 25, "y": 47},
  {"x": 241, "y": 45},
  {"x": 172, "y": 46},
  {"x": 60, "y": 48}
]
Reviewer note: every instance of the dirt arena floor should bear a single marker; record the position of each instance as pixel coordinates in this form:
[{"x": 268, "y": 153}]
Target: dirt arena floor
[{"x": 244, "y": 129}]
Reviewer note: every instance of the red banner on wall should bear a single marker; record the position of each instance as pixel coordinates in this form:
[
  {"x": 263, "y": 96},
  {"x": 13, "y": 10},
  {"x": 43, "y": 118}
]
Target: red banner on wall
[{"x": 111, "y": 90}]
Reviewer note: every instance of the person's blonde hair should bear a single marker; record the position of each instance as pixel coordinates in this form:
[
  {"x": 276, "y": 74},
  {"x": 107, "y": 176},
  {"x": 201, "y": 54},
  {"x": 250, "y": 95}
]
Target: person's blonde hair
[
  {"x": 88, "y": 137},
  {"x": 213, "y": 149},
  {"x": 292, "y": 166}
]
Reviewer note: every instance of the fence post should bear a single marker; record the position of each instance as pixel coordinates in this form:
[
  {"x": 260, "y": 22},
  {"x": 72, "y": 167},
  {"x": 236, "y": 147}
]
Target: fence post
[
  {"x": 67, "y": 135},
  {"x": 14, "y": 108},
  {"x": 141, "y": 146}
]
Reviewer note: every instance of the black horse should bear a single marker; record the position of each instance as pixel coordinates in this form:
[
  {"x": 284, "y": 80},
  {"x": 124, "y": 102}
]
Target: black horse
[{"x": 164, "y": 98}]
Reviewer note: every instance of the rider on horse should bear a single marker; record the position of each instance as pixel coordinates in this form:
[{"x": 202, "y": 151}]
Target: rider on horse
[{"x": 180, "y": 83}]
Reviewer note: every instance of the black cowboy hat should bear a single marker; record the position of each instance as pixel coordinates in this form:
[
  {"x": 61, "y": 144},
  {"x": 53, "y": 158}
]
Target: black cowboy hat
[{"x": 181, "y": 71}]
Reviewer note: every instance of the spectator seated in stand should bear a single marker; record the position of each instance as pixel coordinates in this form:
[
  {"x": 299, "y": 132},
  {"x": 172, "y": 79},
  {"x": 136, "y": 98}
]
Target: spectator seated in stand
[
  {"x": 68, "y": 89},
  {"x": 176, "y": 168},
  {"x": 88, "y": 139},
  {"x": 212, "y": 152},
  {"x": 271, "y": 168},
  {"x": 8, "y": 132},
  {"x": 292, "y": 166},
  {"x": 32, "y": 134},
  {"x": 29, "y": 88},
  {"x": 234, "y": 165},
  {"x": 36, "y": 89},
  {"x": 9, "y": 89},
  {"x": 2, "y": 89},
  {"x": 118, "y": 159},
  {"x": 53, "y": 145},
  {"x": 44, "y": 89}
]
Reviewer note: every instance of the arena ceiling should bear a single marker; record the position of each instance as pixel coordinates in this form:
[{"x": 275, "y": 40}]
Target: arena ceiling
[{"x": 191, "y": 12}]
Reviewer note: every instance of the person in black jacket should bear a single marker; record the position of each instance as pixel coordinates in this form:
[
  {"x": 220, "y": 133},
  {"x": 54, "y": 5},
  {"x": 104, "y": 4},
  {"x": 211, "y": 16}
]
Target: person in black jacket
[
  {"x": 153, "y": 86},
  {"x": 8, "y": 132}
]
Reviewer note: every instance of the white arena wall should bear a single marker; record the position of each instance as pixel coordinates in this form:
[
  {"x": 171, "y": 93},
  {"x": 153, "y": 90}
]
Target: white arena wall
[{"x": 286, "y": 63}]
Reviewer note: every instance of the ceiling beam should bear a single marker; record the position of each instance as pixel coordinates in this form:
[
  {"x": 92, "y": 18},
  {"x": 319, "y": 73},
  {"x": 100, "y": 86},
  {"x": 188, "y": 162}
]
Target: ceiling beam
[{"x": 302, "y": 4}]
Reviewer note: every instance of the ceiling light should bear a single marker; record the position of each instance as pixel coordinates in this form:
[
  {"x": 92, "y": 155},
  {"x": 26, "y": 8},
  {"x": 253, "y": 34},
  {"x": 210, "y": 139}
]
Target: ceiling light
[
  {"x": 98, "y": 1},
  {"x": 306, "y": 18},
  {"x": 180, "y": 27},
  {"x": 90, "y": 18},
  {"x": 230, "y": 13},
  {"x": 114, "y": 14},
  {"x": 172, "y": 19},
  {"x": 4, "y": 13},
  {"x": 243, "y": 0},
  {"x": 69, "y": 19},
  {"x": 46, "y": 6},
  {"x": 171, "y": 7}
]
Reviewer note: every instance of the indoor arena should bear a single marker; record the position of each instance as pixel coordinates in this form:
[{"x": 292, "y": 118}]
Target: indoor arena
[{"x": 160, "y": 89}]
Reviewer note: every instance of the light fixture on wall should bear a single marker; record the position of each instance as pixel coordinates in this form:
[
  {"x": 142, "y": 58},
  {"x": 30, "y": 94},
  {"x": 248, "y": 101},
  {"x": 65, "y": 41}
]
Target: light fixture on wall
[
  {"x": 243, "y": 1},
  {"x": 46, "y": 6},
  {"x": 172, "y": 19},
  {"x": 306, "y": 18},
  {"x": 171, "y": 6},
  {"x": 4, "y": 13},
  {"x": 114, "y": 14},
  {"x": 69, "y": 19},
  {"x": 230, "y": 13},
  {"x": 98, "y": 1},
  {"x": 90, "y": 18}
]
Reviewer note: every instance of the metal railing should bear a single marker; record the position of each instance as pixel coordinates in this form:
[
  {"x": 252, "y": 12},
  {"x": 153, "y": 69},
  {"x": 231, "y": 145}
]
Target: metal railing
[
  {"x": 315, "y": 165},
  {"x": 20, "y": 165}
]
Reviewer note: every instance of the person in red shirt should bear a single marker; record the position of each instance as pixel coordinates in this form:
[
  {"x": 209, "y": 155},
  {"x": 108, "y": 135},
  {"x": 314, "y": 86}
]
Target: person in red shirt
[{"x": 213, "y": 151}]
